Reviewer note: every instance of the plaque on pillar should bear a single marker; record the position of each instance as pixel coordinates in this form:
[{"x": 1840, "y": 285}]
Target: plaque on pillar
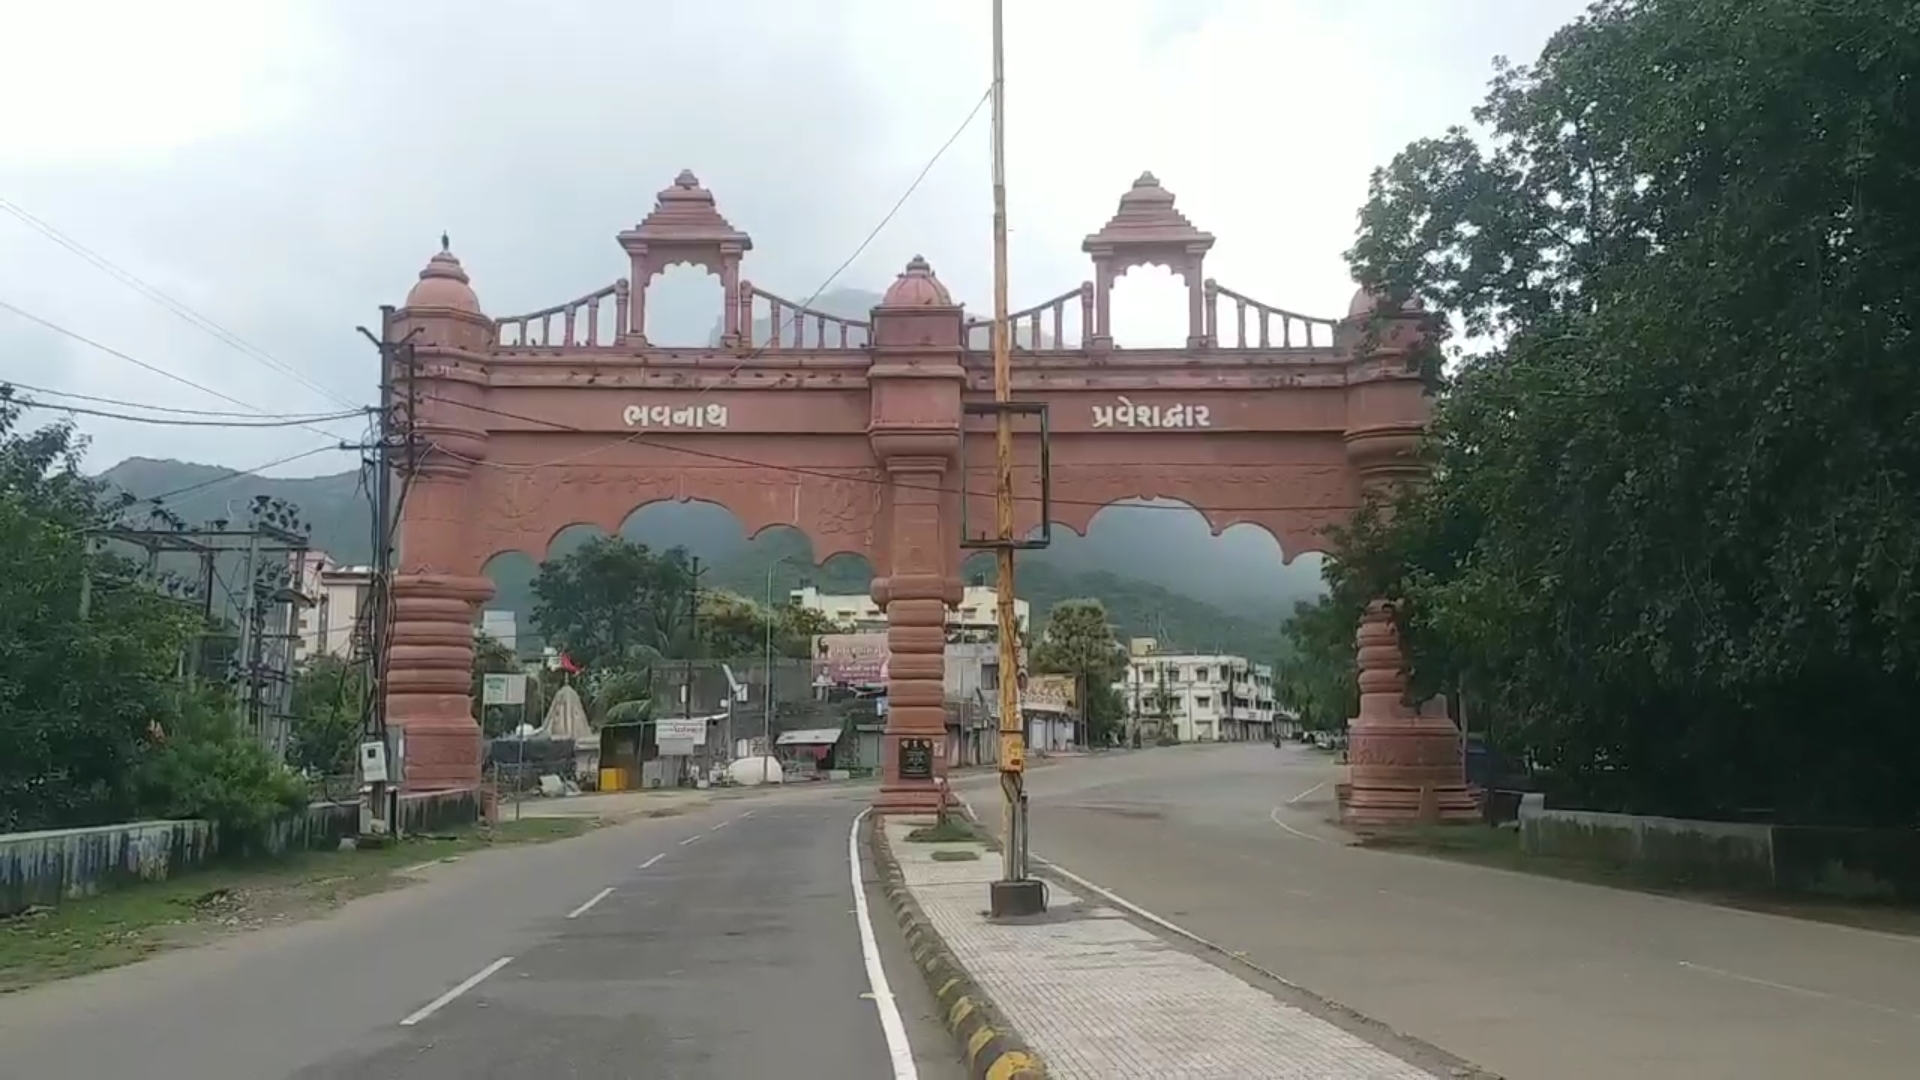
[{"x": 916, "y": 759}]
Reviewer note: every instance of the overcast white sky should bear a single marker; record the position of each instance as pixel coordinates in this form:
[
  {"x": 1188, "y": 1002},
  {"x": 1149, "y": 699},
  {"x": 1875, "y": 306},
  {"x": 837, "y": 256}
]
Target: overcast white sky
[{"x": 283, "y": 168}]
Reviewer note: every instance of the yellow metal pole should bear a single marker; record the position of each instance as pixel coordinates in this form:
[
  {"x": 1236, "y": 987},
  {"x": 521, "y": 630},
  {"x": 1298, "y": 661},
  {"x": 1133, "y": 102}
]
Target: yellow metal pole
[{"x": 1012, "y": 726}]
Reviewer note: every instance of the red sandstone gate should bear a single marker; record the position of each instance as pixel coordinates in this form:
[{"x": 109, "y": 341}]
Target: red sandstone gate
[{"x": 852, "y": 432}]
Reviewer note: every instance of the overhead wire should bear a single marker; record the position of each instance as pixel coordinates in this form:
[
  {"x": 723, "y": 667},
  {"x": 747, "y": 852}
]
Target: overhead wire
[
  {"x": 230, "y": 476},
  {"x": 139, "y": 363},
  {"x": 175, "y": 410},
  {"x": 168, "y": 421},
  {"x": 176, "y": 307}
]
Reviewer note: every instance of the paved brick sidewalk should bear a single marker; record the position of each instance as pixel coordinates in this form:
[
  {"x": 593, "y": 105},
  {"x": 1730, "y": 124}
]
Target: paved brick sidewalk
[{"x": 1099, "y": 998}]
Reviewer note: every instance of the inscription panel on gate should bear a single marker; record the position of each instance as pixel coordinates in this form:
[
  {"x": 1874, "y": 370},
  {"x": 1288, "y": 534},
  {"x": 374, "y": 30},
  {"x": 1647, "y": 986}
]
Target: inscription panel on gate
[
  {"x": 712, "y": 414},
  {"x": 1125, "y": 414}
]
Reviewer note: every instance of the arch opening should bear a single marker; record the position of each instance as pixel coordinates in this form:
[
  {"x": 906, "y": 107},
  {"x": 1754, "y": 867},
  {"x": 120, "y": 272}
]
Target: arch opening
[
  {"x": 682, "y": 304},
  {"x": 772, "y": 563},
  {"x": 1199, "y": 609},
  {"x": 1148, "y": 308}
]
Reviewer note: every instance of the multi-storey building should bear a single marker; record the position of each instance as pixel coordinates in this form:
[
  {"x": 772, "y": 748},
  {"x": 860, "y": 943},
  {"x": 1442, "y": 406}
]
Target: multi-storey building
[
  {"x": 1198, "y": 697},
  {"x": 330, "y": 625},
  {"x": 976, "y": 618}
]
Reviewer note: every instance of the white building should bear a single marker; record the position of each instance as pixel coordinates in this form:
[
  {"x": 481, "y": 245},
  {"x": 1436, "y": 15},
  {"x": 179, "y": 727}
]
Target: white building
[
  {"x": 975, "y": 619},
  {"x": 329, "y": 627},
  {"x": 1200, "y": 697}
]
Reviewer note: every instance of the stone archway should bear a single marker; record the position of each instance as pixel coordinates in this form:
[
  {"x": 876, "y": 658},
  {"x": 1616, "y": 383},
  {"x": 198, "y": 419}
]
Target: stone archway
[{"x": 854, "y": 432}]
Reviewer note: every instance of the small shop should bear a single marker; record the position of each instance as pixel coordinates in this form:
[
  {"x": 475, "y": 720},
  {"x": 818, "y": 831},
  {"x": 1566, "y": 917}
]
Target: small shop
[{"x": 807, "y": 753}]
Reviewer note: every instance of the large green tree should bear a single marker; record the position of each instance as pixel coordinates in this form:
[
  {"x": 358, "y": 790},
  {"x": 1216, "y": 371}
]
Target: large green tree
[
  {"x": 1079, "y": 641},
  {"x": 1673, "y": 533},
  {"x": 1316, "y": 679},
  {"x": 97, "y": 725},
  {"x": 615, "y": 604}
]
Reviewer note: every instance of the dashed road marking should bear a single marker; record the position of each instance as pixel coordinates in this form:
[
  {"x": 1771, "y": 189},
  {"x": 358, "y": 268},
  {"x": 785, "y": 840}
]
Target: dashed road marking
[
  {"x": 592, "y": 900},
  {"x": 465, "y": 985}
]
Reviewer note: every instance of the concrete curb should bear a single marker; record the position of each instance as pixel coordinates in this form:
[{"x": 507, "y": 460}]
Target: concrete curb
[{"x": 991, "y": 1049}]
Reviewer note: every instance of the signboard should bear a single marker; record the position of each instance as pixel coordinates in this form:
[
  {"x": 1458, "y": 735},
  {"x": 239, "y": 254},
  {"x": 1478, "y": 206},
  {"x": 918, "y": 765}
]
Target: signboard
[
  {"x": 916, "y": 759},
  {"x": 681, "y": 729},
  {"x": 1049, "y": 694},
  {"x": 850, "y": 659},
  {"x": 504, "y": 690}
]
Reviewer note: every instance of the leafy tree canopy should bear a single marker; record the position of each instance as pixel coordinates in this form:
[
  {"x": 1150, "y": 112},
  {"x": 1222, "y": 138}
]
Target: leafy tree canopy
[
  {"x": 1316, "y": 679},
  {"x": 613, "y": 603},
  {"x": 96, "y": 727},
  {"x": 1079, "y": 641},
  {"x": 1671, "y": 542}
]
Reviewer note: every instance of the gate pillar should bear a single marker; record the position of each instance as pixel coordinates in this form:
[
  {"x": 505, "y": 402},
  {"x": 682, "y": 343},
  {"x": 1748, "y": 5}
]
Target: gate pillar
[
  {"x": 1405, "y": 765},
  {"x": 437, "y": 585},
  {"x": 915, "y": 385}
]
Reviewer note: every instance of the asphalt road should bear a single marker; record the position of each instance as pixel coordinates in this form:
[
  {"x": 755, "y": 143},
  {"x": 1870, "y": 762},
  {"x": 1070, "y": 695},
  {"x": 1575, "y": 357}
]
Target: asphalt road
[
  {"x": 721, "y": 944},
  {"x": 1529, "y": 977}
]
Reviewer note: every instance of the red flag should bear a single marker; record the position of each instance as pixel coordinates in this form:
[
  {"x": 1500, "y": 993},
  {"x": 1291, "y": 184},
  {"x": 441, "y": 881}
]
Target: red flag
[{"x": 567, "y": 665}]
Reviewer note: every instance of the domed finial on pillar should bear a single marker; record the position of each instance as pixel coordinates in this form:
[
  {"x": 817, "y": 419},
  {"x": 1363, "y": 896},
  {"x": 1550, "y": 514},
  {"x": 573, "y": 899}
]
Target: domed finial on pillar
[
  {"x": 443, "y": 284},
  {"x": 917, "y": 286}
]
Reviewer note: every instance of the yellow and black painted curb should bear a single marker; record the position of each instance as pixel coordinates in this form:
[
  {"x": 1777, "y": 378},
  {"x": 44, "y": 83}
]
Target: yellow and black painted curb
[{"x": 991, "y": 1049}]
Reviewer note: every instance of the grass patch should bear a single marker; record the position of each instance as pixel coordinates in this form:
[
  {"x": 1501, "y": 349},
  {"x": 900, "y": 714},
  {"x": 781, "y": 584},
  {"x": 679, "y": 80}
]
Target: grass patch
[
  {"x": 955, "y": 855},
  {"x": 127, "y": 924},
  {"x": 1499, "y": 848},
  {"x": 954, "y": 830}
]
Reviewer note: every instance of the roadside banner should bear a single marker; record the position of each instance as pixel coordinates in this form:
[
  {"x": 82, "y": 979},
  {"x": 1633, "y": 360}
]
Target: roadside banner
[{"x": 850, "y": 659}]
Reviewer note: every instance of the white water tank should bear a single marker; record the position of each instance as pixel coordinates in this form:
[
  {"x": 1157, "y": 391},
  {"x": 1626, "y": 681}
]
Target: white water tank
[{"x": 753, "y": 771}]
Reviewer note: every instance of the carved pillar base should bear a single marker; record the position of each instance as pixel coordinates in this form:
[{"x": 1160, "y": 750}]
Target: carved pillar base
[
  {"x": 1403, "y": 767},
  {"x": 916, "y": 677},
  {"x": 430, "y": 679},
  {"x": 1406, "y": 771}
]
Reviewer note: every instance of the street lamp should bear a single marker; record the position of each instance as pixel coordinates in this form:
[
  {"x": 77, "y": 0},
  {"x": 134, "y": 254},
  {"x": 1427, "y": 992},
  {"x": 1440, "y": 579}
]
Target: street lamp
[{"x": 766, "y": 719}]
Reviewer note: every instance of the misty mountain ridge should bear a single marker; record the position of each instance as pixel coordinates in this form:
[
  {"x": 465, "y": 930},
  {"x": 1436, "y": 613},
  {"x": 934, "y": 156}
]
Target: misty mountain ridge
[{"x": 1160, "y": 572}]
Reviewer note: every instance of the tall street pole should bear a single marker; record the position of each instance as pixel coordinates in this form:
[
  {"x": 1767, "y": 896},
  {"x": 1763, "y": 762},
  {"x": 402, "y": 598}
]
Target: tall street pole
[
  {"x": 766, "y": 717},
  {"x": 1015, "y": 893}
]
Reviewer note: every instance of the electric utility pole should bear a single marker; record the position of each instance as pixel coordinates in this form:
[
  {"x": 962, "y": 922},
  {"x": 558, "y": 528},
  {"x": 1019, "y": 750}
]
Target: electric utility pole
[
  {"x": 394, "y": 430},
  {"x": 1015, "y": 893}
]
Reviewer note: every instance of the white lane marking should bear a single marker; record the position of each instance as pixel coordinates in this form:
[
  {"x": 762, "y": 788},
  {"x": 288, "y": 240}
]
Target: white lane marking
[
  {"x": 1274, "y": 816},
  {"x": 465, "y": 985},
  {"x": 720, "y": 826},
  {"x": 891, "y": 1024},
  {"x": 689, "y": 840},
  {"x": 655, "y": 859},
  {"x": 1307, "y": 792},
  {"x": 746, "y": 815},
  {"x": 592, "y": 900},
  {"x": 1789, "y": 988}
]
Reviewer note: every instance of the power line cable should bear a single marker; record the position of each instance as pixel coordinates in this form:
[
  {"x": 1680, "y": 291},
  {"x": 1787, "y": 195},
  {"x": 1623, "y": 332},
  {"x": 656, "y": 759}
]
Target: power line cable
[
  {"x": 190, "y": 316},
  {"x": 137, "y": 362},
  {"x": 167, "y": 421},
  {"x": 228, "y": 477},
  {"x": 123, "y": 403}
]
